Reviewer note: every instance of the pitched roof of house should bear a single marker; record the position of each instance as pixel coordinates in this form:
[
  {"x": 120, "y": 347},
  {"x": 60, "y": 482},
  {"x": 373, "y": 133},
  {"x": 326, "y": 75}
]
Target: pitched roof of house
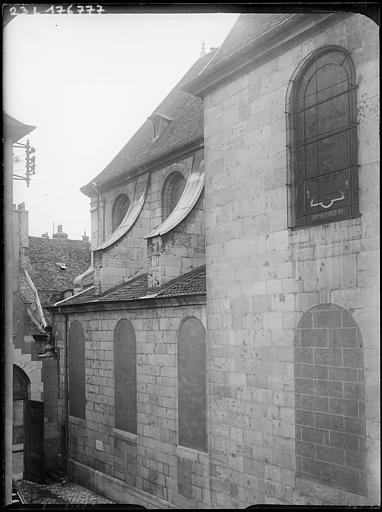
[
  {"x": 191, "y": 283},
  {"x": 141, "y": 150},
  {"x": 54, "y": 264}
]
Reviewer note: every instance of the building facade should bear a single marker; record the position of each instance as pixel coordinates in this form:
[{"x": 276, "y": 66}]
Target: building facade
[
  {"x": 44, "y": 270},
  {"x": 225, "y": 352}
]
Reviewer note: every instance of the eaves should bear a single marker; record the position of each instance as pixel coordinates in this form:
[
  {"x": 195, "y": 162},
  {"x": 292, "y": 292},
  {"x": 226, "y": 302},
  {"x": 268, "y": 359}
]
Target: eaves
[
  {"x": 167, "y": 158},
  {"x": 130, "y": 305}
]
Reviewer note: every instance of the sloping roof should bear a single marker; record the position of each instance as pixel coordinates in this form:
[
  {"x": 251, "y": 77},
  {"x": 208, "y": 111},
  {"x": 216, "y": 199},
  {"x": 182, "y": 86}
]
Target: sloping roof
[
  {"x": 48, "y": 277},
  {"x": 249, "y": 32},
  {"x": 191, "y": 283},
  {"x": 186, "y": 127},
  {"x": 247, "y": 29}
]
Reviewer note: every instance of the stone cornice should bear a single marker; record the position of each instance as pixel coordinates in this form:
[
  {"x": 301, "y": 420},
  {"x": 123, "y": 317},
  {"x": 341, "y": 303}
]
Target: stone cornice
[
  {"x": 163, "y": 302},
  {"x": 271, "y": 44}
]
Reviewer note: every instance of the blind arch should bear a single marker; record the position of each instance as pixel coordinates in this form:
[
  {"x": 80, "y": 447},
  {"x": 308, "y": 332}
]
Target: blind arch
[
  {"x": 192, "y": 399},
  {"x": 125, "y": 377},
  {"x": 76, "y": 356}
]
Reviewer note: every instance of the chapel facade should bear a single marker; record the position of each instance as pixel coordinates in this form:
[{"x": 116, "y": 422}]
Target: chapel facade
[{"x": 222, "y": 349}]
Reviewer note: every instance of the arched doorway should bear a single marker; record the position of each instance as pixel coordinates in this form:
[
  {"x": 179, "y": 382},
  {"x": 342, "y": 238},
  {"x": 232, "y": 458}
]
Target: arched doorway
[{"x": 21, "y": 386}]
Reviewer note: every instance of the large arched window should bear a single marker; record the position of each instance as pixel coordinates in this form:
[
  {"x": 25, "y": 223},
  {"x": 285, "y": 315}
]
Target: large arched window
[
  {"x": 77, "y": 390},
  {"x": 120, "y": 207},
  {"x": 192, "y": 400},
  {"x": 323, "y": 139},
  {"x": 125, "y": 377},
  {"x": 172, "y": 190}
]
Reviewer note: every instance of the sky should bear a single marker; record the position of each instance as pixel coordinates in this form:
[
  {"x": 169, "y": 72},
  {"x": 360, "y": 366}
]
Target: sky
[{"x": 88, "y": 82}]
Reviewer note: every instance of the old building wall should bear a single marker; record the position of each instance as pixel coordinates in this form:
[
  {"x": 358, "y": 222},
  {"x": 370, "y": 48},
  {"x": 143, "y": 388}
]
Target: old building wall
[
  {"x": 125, "y": 258},
  {"x": 263, "y": 276},
  {"x": 108, "y": 459}
]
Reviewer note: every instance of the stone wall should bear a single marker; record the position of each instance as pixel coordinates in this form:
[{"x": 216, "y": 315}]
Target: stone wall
[
  {"x": 262, "y": 277},
  {"x": 151, "y": 460},
  {"x": 165, "y": 257}
]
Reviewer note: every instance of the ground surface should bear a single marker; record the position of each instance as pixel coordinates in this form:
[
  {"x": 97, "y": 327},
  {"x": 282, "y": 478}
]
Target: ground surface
[{"x": 57, "y": 493}]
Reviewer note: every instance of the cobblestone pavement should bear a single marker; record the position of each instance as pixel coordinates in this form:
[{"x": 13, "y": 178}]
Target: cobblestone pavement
[{"x": 57, "y": 493}]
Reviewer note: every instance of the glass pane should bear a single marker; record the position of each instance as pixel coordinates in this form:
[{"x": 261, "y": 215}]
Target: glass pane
[
  {"x": 310, "y": 93},
  {"x": 311, "y": 195},
  {"x": 334, "y": 190},
  {"x": 333, "y": 114},
  {"x": 334, "y": 153},
  {"x": 311, "y": 160},
  {"x": 328, "y": 77},
  {"x": 311, "y": 123},
  {"x": 300, "y": 167},
  {"x": 300, "y": 134}
]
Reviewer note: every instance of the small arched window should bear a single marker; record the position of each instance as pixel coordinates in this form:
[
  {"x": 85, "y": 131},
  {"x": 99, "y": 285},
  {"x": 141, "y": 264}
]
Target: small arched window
[
  {"x": 323, "y": 144},
  {"x": 120, "y": 207},
  {"x": 171, "y": 193}
]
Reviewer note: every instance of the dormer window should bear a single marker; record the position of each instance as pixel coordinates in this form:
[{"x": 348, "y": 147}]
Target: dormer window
[{"x": 160, "y": 123}]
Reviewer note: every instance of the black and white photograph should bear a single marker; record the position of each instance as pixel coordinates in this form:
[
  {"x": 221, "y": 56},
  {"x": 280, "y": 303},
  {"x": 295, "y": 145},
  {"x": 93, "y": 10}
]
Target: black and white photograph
[{"x": 191, "y": 289}]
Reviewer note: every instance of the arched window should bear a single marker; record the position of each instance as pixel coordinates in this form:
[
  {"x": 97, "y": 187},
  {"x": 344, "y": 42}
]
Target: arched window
[
  {"x": 76, "y": 346},
  {"x": 192, "y": 399},
  {"x": 125, "y": 375},
  {"x": 120, "y": 207},
  {"x": 172, "y": 190},
  {"x": 323, "y": 139}
]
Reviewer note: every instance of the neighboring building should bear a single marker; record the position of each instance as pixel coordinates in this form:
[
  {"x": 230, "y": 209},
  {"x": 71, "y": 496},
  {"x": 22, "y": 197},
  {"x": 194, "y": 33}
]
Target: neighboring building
[
  {"x": 14, "y": 131},
  {"x": 236, "y": 364},
  {"x": 45, "y": 270}
]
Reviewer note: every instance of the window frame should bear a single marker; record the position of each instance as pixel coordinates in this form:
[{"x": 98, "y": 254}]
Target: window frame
[{"x": 297, "y": 217}]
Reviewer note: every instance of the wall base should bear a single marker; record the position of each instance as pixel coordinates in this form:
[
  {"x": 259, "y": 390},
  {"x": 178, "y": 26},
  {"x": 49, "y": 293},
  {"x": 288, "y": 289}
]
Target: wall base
[{"x": 113, "y": 489}]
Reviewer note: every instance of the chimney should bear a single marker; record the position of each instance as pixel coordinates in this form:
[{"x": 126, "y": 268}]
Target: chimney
[
  {"x": 85, "y": 238},
  {"x": 60, "y": 233}
]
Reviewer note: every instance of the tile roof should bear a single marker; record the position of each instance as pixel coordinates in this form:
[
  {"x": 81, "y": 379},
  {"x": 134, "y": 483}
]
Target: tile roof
[
  {"x": 192, "y": 283},
  {"x": 186, "y": 127},
  {"x": 48, "y": 277}
]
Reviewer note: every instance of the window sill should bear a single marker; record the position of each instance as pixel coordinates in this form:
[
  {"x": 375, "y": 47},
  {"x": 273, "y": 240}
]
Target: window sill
[
  {"x": 190, "y": 453},
  {"x": 127, "y": 436}
]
